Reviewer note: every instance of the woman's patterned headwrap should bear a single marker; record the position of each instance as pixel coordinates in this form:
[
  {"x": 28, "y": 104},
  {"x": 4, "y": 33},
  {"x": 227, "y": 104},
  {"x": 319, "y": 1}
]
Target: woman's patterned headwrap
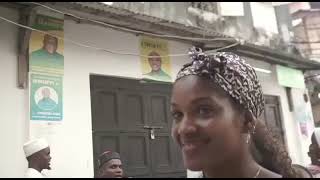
[{"x": 231, "y": 73}]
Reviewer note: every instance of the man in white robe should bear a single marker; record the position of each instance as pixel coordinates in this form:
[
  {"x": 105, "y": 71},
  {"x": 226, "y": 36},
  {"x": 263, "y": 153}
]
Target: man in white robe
[{"x": 38, "y": 155}]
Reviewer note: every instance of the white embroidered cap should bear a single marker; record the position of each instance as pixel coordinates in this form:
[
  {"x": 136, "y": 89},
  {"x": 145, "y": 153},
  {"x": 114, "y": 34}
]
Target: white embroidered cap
[{"x": 34, "y": 146}]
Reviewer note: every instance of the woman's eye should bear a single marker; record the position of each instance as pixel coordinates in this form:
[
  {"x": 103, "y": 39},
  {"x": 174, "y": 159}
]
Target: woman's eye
[
  {"x": 177, "y": 116},
  {"x": 204, "y": 111}
]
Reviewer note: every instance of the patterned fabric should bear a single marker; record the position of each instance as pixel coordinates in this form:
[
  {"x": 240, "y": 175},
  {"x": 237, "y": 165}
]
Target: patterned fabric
[{"x": 231, "y": 73}]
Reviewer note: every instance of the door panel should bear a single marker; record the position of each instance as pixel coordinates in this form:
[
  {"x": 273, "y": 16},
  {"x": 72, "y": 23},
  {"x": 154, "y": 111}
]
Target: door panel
[
  {"x": 132, "y": 110},
  {"x": 137, "y": 156},
  {"x": 158, "y": 110},
  {"x": 105, "y": 111},
  {"x": 162, "y": 154},
  {"x": 107, "y": 141}
]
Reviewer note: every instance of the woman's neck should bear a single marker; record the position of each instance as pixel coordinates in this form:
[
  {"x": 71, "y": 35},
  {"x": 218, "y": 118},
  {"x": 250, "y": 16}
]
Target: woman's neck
[{"x": 241, "y": 166}]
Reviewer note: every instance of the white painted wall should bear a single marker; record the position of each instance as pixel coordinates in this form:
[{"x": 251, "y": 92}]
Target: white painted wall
[
  {"x": 13, "y": 102},
  {"x": 71, "y": 140}
]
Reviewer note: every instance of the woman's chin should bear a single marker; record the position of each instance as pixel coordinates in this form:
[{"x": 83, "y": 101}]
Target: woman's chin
[{"x": 193, "y": 165}]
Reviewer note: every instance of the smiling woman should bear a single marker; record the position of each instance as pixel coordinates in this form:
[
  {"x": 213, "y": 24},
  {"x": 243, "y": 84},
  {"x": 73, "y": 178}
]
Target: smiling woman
[{"x": 215, "y": 104}]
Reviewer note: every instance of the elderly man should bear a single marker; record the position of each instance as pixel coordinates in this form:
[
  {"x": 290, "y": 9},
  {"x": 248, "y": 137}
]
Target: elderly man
[
  {"x": 38, "y": 155},
  {"x": 110, "y": 165}
]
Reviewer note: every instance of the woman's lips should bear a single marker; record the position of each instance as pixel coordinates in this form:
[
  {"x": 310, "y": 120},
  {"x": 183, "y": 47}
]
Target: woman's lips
[{"x": 191, "y": 146}]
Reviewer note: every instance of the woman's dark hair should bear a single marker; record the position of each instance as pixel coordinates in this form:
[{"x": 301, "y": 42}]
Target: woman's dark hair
[
  {"x": 270, "y": 153},
  {"x": 266, "y": 148}
]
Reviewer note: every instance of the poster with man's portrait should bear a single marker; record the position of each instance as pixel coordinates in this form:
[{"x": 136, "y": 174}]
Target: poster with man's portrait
[
  {"x": 157, "y": 66},
  {"x": 46, "y": 64},
  {"x": 46, "y": 97},
  {"x": 46, "y": 51}
]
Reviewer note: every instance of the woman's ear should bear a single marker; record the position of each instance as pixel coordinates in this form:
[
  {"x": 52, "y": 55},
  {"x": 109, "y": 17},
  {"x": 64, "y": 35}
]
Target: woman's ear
[{"x": 248, "y": 122}]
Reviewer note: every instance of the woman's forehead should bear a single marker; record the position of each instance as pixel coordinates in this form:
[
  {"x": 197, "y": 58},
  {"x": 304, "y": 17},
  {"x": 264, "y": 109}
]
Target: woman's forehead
[
  {"x": 194, "y": 89},
  {"x": 197, "y": 85}
]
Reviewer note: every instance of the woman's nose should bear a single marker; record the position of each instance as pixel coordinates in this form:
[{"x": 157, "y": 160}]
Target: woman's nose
[{"x": 187, "y": 126}]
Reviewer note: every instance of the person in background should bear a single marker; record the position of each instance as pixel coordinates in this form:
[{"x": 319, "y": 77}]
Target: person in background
[
  {"x": 37, "y": 153},
  {"x": 215, "y": 104},
  {"x": 110, "y": 165},
  {"x": 314, "y": 153}
]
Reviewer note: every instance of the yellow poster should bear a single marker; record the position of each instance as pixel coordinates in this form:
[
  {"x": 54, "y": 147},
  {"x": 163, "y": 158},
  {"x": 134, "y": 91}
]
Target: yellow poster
[
  {"x": 157, "y": 66},
  {"x": 46, "y": 51}
]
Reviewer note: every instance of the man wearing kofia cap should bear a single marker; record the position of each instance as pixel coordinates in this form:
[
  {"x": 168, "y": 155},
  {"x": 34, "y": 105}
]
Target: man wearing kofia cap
[
  {"x": 38, "y": 155},
  {"x": 110, "y": 165}
]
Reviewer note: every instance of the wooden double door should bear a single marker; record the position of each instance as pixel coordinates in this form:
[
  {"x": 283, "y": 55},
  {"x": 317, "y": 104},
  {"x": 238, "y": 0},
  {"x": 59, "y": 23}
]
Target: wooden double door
[{"x": 132, "y": 117}]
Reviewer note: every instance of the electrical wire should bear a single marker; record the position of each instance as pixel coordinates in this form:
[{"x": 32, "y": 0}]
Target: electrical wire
[
  {"x": 131, "y": 30},
  {"x": 85, "y": 45},
  {"x": 97, "y": 48}
]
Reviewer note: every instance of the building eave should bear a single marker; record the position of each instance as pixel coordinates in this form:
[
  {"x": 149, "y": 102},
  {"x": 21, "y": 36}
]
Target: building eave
[
  {"x": 136, "y": 21},
  {"x": 273, "y": 56}
]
